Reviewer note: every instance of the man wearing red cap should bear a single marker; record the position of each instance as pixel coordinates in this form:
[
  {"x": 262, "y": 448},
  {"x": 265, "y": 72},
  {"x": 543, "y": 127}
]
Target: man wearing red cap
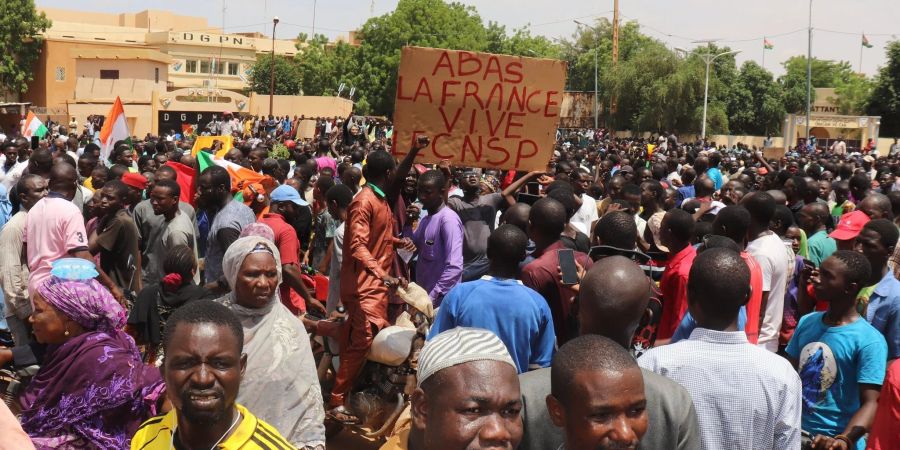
[
  {"x": 848, "y": 229},
  {"x": 136, "y": 184},
  {"x": 844, "y": 236},
  {"x": 228, "y": 125}
]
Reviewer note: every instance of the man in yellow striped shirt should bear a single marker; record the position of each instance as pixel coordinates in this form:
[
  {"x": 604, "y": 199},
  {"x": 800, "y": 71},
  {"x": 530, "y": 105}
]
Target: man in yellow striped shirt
[{"x": 203, "y": 367}]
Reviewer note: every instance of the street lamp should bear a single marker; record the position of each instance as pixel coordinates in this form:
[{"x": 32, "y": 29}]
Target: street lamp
[
  {"x": 808, "y": 72},
  {"x": 272, "y": 85},
  {"x": 596, "y": 108},
  {"x": 709, "y": 58}
]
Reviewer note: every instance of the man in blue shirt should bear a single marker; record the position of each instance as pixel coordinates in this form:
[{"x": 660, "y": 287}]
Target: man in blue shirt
[
  {"x": 713, "y": 172},
  {"x": 841, "y": 357},
  {"x": 500, "y": 303},
  {"x": 876, "y": 241}
]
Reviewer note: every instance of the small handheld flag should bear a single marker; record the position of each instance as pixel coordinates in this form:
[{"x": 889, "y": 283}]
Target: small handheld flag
[{"x": 33, "y": 127}]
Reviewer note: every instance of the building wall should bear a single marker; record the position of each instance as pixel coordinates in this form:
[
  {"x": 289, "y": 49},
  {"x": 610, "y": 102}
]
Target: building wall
[
  {"x": 300, "y": 106},
  {"x": 148, "y": 19},
  {"x": 138, "y": 116},
  {"x": 128, "y": 69}
]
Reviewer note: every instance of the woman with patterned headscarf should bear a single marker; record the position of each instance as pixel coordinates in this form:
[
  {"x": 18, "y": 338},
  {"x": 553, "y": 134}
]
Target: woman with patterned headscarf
[
  {"x": 280, "y": 384},
  {"x": 92, "y": 390}
]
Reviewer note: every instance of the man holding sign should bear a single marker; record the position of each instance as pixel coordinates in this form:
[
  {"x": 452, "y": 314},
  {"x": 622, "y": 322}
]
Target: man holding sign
[{"x": 481, "y": 110}]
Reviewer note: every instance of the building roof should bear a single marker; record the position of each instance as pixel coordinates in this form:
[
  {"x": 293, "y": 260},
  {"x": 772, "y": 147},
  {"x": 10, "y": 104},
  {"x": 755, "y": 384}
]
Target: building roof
[{"x": 121, "y": 53}]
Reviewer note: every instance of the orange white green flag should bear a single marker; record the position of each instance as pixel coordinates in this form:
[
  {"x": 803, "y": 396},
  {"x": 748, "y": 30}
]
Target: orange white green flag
[
  {"x": 241, "y": 177},
  {"x": 33, "y": 127},
  {"x": 115, "y": 129}
]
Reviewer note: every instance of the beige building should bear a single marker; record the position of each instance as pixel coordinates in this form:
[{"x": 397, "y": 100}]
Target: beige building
[
  {"x": 88, "y": 59},
  {"x": 828, "y": 125}
]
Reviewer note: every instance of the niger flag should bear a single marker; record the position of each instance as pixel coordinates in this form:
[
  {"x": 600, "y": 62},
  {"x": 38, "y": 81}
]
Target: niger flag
[
  {"x": 115, "y": 129},
  {"x": 240, "y": 176}
]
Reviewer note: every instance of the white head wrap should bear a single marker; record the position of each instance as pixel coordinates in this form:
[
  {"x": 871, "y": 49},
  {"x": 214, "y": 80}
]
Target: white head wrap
[
  {"x": 459, "y": 346},
  {"x": 239, "y": 250}
]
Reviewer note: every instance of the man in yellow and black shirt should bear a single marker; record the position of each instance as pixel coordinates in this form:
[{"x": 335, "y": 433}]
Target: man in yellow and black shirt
[
  {"x": 250, "y": 434},
  {"x": 203, "y": 367}
]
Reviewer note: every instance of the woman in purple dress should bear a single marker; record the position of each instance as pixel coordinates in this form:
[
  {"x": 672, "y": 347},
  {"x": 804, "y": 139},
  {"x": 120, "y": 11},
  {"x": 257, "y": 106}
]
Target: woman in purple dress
[{"x": 92, "y": 390}]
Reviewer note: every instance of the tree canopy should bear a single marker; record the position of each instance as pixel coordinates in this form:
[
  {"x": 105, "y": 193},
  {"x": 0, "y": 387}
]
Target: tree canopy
[
  {"x": 21, "y": 39},
  {"x": 885, "y": 97},
  {"x": 655, "y": 88}
]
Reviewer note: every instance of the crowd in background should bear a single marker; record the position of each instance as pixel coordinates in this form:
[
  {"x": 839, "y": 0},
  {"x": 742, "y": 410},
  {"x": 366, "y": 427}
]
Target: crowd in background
[{"x": 723, "y": 297}]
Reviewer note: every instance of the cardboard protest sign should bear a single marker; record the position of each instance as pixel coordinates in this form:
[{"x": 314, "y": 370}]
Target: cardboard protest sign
[
  {"x": 307, "y": 129},
  {"x": 479, "y": 109}
]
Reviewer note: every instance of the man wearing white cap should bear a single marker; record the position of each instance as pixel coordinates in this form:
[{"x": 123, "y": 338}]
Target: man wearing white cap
[{"x": 467, "y": 396}]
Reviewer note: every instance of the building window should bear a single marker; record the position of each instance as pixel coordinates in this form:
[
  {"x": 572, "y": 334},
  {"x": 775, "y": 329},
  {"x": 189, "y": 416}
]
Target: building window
[
  {"x": 191, "y": 66},
  {"x": 156, "y": 75},
  {"x": 232, "y": 68},
  {"x": 109, "y": 74},
  {"x": 60, "y": 73},
  {"x": 218, "y": 67},
  {"x": 204, "y": 66}
]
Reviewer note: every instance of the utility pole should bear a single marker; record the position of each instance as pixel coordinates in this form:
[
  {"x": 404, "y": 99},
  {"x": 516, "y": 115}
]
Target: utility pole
[
  {"x": 709, "y": 58},
  {"x": 314, "y": 20},
  {"x": 809, "y": 73},
  {"x": 272, "y": 85},
  {"x": 615, "y": 52},
  {"x": 596, "y": 90}
]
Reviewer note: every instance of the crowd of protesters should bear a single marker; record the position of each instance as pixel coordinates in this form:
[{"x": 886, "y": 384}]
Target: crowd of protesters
[{"x": 722, "y": 298}]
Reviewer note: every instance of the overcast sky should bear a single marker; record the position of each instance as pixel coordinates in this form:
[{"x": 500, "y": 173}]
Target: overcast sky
[{"x": 740, "y": 24}]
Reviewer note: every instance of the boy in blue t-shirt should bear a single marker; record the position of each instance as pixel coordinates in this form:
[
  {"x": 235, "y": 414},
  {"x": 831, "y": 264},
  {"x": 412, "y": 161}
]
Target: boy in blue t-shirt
[{"x": 841, "y": 358}]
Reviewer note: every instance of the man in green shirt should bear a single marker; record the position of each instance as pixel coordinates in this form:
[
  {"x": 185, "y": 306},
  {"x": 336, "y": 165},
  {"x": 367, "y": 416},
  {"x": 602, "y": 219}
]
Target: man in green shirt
[{"x": 812, "y": 219}]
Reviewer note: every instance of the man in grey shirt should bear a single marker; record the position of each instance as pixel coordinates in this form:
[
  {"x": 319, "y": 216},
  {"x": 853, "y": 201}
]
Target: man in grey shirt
[
  {"x": 227, "y": 218},
  {"x": 176, "y": 228},
  {"x": 150, "y": 227},
  {"x": 612, "y": 303}
]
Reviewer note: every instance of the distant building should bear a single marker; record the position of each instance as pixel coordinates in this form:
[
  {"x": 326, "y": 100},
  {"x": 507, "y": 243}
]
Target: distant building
[{"x": 153, "y": 60}]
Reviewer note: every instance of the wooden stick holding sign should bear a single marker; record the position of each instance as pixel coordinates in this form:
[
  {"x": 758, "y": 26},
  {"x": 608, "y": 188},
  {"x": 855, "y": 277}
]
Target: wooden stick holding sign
[{"x": 480, "y": 109}]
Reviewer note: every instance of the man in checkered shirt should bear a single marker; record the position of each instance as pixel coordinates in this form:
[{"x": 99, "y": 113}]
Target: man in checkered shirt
[{"x": 746, "y": 396}]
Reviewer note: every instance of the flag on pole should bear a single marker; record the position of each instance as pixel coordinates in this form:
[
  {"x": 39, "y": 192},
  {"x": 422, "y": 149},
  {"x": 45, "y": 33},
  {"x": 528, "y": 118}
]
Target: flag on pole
[
  {"x": 33, "y": 127},
  {"x": 115, "y": 129},
  {"x": 865, "y": 41},
  {"x": 767, "y": 44}
]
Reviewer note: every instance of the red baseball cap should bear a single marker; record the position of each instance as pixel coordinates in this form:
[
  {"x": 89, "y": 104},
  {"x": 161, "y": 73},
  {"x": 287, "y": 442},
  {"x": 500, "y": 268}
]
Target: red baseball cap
[
  {"x": 135, "y": 180},
  {"x": 850, "y": 226}
]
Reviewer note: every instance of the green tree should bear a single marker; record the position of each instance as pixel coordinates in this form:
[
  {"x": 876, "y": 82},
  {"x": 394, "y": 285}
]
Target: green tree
[
  {"x": 853, "y": 94},
  {"x": 21, "y": 40},
  {"x": 885, "y": 98},
  {"x": 288, "y": 80},
  {"x": 324, "y": 67},
  {"x": 520, "y": 43},
  {"x": 825, "y": 74},
  {"x": 427, "y": 23},
  {"x": 597, "y": 40},
  {"x": 755, "y": 105}
]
